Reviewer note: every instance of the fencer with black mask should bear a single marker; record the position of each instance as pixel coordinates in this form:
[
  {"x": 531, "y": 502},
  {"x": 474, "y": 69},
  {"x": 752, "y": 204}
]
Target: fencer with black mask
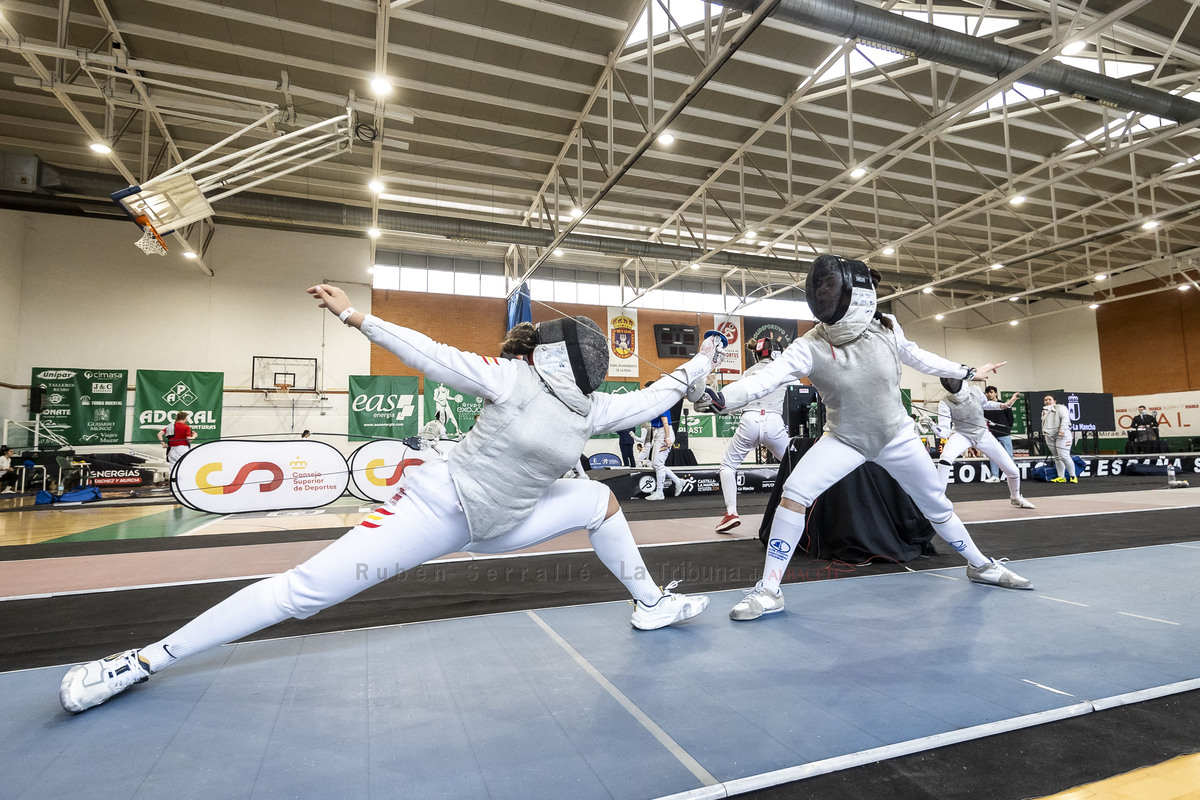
[
  {"x": 497, "y": 491},
  {"x": 962, "y": 424},
  {"x": 854, "y": 358}
]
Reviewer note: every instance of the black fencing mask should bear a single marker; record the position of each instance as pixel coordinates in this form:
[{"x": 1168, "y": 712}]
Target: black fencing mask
[
  {"x": 586, "y": 348},
  {"x": 952, "y": 385}
]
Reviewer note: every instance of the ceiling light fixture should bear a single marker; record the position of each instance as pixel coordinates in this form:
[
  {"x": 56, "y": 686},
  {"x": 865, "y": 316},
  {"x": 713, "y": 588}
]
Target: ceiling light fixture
[
  {"x": 857, "y": 172},
  {"x": 1094, "y": 306},
  {"x": 381, "y": 86},
  {"x": 1013, "y": 299},
  {"x": 939, "y": 316},
  {"x": 1015, "y": 322},
  {"x": 1101, "y": 277},
  {"x": 927, "y": 290},
  {"x": 188, "y": 254},
  {"x": 1071, "y": 48},
  {"x": 1017, "y": 200},
  {"x": 100, "y": 147},
  {"x": 375, "y": 186},
  {"x": 373, "y": 232},
  {"x": 1150, "y": 224},
  {"x": 666, "y": 138},
  {"x": 576, "y": 212},
  {"x": 997, "y": 265},
  {"x": 887, "y": 251},
  {"x": 751, "y": 234},
  {"x": 1184, "y": 287},
  {"x": 558, "y": 251},
  {"x": 695, "y": 266}
]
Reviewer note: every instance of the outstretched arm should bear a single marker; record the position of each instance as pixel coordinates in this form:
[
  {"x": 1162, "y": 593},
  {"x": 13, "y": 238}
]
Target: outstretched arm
[
  {"x": 489, "y": 378},
  {"x": 612, "y": 412},
  {"x": 933, "y": 364},
  {"x": 795, "y": 363}
]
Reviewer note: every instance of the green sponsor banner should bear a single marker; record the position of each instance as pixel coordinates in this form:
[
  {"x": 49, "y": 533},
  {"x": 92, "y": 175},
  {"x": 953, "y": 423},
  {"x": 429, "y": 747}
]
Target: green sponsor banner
[
  {"x": 616, "y": 387},
  {"x": 699, "y": 426},
  {"x": 1020, "y": 422},
  {"x": 161, "y": 393},
  {"x": 452, "y": 408},
  {"x": 727, "y": 425},
  {"x": 906, "y": 397},
  {"x": 382, "y": 406},
  {"x": 84, "y": 406}
]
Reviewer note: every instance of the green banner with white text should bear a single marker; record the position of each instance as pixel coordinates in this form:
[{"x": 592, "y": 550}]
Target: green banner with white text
[
  {"x": 161, "y": 393},
  {"x": 382, "y": 407},
  {"x": 452, "y": 408},
  {"x": 84, "y": 406}
]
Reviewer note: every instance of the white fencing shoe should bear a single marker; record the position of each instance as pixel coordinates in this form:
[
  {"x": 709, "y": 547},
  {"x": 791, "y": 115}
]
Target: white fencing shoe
[
  {"x": 678, "y": 486},
  {"x": 90, "y": 684},
  {"x": 758, "y": 601},
  {"x": 1021, "y": 502},
  {"x": 997, "y": 574},
  {"x": 669, "y": 609},
  {"x": 656, "y": 496}
]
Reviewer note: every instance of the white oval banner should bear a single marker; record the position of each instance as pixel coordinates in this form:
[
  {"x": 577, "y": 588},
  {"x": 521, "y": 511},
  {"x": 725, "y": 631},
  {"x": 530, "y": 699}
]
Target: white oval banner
[
  {"x": 377, "y": 467},
  {"x": 227, "y": 477}
]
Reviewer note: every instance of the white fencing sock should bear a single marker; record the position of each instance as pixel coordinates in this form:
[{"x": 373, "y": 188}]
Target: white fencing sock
[
  {"x": 786, "y": 529},
  {"x": 613, "y": 543}
]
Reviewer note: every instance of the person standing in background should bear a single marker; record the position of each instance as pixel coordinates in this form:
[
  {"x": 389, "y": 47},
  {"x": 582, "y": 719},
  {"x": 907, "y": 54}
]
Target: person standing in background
[
  {"x": 1000, "y": 425},
  {"x": 177, "y": 437},
  {"x": 1056, "y": 430}
]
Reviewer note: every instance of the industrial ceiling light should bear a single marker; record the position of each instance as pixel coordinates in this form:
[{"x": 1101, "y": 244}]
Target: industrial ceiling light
[
  {"x": 751, "y": 234},
  {"x": 939, "y": 316},
  {"x": 188, "y": 254},
  {"x": 887, "y": 251},
  {"x": 1094, "y": 306},
  {"x": 997, "y": 265},
  {"x": 381, "y": 86},
  {"x": 1071, "y": 48},
  {"x": 1015, "y": 322},
  {"x": 1013, "y": 299},
  {"x": 857, "y": 172},
  {"x": 576, "y": 212},
  {"x": 558, "y": 251},
  {"x": 100, "y": 148},
  {"x": 1101, "y": 277},
  {"x": 373, "y": 233},
  {"x": 375, "y": 186},
  {"x": 1150, "y": 224},
  {"x": 1184, "y": 287},
  {"x": 927, "y": 290},
  {"x": 1017, "y": 200},
  {"x": 666, "y": 138}
]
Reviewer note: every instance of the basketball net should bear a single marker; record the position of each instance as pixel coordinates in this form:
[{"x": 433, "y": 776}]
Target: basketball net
[{"x": 151, "y": 243}]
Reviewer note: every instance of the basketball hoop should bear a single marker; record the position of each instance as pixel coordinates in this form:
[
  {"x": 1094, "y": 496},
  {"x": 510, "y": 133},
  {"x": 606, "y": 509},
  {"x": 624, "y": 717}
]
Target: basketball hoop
[
  {"x": 283, "y": 388},
  {"x": 151, "y": 243}
]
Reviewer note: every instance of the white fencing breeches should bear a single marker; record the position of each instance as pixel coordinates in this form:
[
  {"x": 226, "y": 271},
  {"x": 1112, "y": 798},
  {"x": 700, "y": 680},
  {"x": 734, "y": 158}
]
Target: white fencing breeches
[
  {"x": 958, "y": 444},
  {"x": 1060, "y": 451},
  {"x": 755, "y": 428}
]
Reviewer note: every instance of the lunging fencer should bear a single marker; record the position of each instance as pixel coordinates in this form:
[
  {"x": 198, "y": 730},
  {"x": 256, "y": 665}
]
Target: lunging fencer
[
  {"x": 1056, "y": 429},
  {"x": 854, "y": 356},
  {"x": 497, "y": 491},
  {"x": 761, "y": 423},
  {"x": 962, "y": 424}
]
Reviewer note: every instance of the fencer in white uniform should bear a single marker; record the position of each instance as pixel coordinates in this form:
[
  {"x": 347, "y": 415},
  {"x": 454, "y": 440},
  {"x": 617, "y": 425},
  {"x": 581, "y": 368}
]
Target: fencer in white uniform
[
  {"x": 1056, "y": 428},
  {"x": 761, "y": 423},
  {"x": 962, "y": 424},
  {"x": 497, "y": 491},
  {"x": 854, "y": 359},
  {"x": 662, "y": 439}
]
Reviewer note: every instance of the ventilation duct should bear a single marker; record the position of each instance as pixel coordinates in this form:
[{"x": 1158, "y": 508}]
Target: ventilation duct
[{"x": 852, "y": 20}]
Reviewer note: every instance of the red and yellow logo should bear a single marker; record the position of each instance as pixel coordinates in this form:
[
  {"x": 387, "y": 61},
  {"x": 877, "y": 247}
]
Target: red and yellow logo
[
  {"x": 623, "y": 340},
  {"x": 204, "y": 473},
  {"x": 388, "y": 480}
]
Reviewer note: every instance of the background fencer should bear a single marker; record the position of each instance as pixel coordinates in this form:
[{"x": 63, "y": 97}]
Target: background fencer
[
  {"x": 662, "y": 439},
  {"x": 496, "y": 491},
  {"x": 962, "y": 424},
  {"x": 761, "y": 423},
  {"x": 854, "y": 356},
  {"x": 1056, "y": 430}
]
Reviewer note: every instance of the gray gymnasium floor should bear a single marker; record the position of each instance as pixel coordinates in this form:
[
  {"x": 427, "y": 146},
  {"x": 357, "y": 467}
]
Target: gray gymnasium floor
[{"x": 572, "y": 702}]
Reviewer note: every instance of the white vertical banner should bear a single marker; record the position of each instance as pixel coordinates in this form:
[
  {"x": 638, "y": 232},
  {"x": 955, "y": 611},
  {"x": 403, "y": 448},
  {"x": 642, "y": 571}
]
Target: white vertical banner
[
  {"x": 622, "y": 340},
  {"x": 731, "y": 368}
]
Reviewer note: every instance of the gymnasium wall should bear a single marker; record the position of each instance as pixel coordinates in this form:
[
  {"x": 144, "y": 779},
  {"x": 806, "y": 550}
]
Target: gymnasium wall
[
  {"x": 88, "y": 298},
  {"x": 1150, "y": 344}
]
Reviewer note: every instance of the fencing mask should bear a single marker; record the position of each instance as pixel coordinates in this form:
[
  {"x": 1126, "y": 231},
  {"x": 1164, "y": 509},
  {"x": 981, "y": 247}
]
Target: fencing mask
[
  {"x": 840, "y": 293},
  {"x": 582, "y": 342},
  {"x": 767, "y": 347},
  {"x": 952, "y": 385}
]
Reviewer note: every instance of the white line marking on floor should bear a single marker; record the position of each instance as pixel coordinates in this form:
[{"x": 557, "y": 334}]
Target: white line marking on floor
[
  {"x": 199, "y": 528},
  {"x": 934, "y": 574},
  {"x": 970, "y": 522},
  {"x": 1047, "y": 688},
  {"x": 1152, "y": 619},
  {"x": 693, "y": 766},
  {"x": 1058, "y": 600}
]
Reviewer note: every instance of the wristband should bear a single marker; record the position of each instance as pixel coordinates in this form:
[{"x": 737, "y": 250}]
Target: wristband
[{"x": 345, "y": 315}]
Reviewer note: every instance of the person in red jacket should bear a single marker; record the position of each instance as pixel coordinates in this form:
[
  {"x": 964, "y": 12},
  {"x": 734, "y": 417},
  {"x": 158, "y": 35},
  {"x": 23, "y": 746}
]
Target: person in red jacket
[{"x": 177, "y": 437}]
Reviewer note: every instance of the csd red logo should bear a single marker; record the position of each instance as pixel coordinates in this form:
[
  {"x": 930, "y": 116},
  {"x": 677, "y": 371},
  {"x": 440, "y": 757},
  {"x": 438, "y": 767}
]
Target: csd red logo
[
  {"x": 270, "y": 485},
  {"x": 375, "y": 465}
]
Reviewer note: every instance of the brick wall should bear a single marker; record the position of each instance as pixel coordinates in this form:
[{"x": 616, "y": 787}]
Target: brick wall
[{"x": 1150, "y": 344}]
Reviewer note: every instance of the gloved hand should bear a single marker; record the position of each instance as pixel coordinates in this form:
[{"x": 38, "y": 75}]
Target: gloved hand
[
  {"x": 713, "y": 346},
  {"x": 712, "y": 401}
]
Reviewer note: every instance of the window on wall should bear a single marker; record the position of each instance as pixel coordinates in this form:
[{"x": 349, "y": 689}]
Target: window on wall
[{"x": 474, "y": 278}]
